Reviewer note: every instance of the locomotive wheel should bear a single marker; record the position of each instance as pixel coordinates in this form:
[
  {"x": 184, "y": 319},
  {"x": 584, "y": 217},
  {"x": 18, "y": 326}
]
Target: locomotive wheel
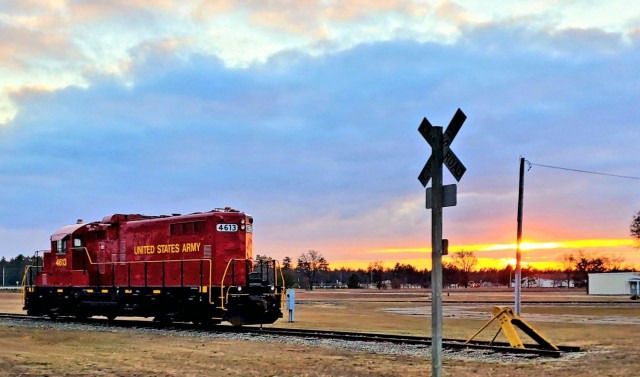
[
  {"x": 237, "y": 321},
  {"x": 163, "y": 320},
  {"x": 205, "y": 322}
]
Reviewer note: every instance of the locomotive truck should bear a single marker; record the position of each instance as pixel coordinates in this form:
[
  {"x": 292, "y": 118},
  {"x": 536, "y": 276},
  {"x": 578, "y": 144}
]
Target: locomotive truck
[{"x": 195, "y": 267}]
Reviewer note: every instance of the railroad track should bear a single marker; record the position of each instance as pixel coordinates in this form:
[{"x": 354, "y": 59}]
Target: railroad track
[
  {"x": 451, "y": 344},
  {"x": 427, "y": 300}
]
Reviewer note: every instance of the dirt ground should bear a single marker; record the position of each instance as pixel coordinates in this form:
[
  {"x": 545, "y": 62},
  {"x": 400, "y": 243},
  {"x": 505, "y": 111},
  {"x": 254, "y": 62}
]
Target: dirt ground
[{"x": 606, "y": 333}]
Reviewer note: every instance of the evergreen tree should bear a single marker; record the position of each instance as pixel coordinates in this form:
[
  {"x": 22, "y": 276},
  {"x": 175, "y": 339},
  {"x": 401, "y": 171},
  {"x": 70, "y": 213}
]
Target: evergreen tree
[{"x": 353, "y": 282}]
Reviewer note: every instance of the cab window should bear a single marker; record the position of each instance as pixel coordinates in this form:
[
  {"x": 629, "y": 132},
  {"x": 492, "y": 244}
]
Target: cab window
[{"x": 62, "y": 245}]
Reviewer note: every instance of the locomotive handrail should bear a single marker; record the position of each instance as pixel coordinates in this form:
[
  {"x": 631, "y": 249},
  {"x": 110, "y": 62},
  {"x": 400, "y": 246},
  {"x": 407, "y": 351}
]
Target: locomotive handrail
[
  {"x": 224, "y": 297},
  {"x": 156, "y": 261},
  {"x": 27, "y": 270},
  {"x": 24, "y": 282},
  {"x": 278, "y": 268},
  {"x": 282, "y": 298}
]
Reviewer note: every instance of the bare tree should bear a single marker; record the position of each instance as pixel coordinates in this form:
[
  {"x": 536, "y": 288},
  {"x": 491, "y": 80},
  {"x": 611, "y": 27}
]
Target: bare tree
[
  {"x": 465, "y": 262},
  {"x": 310, "y": 264},
  {"x": 615, "y": 263},
  {"x": 286, "y": 263},
  {"x": 375, "y": 271},
  {"x": 634, "y": 228},
  {"x": 585, "y": 263},
  {"x": 567, "y": 267}
]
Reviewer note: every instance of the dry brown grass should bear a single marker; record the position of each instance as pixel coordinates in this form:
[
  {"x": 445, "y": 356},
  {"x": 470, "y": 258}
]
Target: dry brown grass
[
  {"x": 611, "y": 349},
  {"x": 11, "y": 302},
  {"x": 72, "y": 353}
]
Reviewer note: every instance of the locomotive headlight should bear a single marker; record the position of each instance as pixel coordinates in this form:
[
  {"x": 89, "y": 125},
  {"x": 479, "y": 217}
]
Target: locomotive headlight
[
  {"x": 239, "y": 289},
  {"x": 242, "y": 227},
  {"x": 242, "y": 221},
  {"x": 273, "y": 288}
]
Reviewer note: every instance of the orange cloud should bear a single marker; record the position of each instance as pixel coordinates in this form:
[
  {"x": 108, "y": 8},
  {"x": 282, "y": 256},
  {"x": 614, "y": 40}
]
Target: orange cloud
[
  {"x": 279, "y": 21},
  {"x": 422, "y": 263},
  {"x": 349, "y": 10},
  {"x": 97, "y": 10},
  {"x": 524, "y": 246},
  {"x": 206, "y": 10},
  {"x": 549, "y": 254}
]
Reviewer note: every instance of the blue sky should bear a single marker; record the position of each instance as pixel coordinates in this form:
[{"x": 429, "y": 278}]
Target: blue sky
[{"x": 305, "y": 115}]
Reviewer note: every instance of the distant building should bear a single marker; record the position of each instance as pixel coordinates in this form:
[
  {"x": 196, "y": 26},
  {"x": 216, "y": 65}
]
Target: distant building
[
  {"x": 615, "y": 283},
  {"x": 550, "y": 283},
  {"x": 545, "y": 281}
]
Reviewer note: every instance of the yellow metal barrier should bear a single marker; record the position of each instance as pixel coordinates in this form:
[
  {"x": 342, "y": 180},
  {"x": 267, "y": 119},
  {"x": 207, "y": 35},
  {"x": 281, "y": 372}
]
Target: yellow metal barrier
[{"x": 507, "y": 320}]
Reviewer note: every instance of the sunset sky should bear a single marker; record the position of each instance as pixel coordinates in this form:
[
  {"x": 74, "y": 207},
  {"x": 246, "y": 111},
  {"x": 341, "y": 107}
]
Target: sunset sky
[{"x": 305, "y": 115}]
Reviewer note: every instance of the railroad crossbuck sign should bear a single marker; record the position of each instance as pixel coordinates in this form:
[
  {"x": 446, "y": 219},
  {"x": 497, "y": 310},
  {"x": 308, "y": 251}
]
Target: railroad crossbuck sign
[
  {"x": 450, "y": 160},
  {"x": 439, "y": 196}
]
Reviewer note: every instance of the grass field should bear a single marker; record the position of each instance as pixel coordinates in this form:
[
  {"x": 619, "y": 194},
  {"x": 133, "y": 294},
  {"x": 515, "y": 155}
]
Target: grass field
[{"x": 605, "y": 332}]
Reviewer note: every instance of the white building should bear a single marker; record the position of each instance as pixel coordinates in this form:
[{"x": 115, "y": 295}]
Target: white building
[{"x": 615, "y": 283}]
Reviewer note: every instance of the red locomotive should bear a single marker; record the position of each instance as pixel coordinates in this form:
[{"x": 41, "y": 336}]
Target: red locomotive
[{"x": 195, "y": 267}]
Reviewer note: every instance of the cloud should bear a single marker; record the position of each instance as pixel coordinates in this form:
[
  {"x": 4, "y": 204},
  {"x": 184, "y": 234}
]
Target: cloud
[
  {"x": 31, "y": 48},
  {"x": 65, "y": 43},
  {"x": 23, "y": 241},
  {"x": 323, "y": 149}
]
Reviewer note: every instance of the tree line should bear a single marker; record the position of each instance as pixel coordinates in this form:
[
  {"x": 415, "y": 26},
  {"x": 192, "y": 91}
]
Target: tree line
[
  {"x": 12, "y": 270},
  {"x": 312, "y": 270}
]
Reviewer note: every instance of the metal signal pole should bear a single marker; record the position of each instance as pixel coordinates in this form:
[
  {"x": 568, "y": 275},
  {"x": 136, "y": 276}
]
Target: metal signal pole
[
  {"x": 518, "y": 278},
  {"x": 436, "y": 253}
]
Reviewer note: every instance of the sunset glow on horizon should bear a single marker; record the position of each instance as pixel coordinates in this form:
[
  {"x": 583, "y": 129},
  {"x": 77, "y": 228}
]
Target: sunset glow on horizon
[
  {"x": 501, "y": 255},
  {"x": 524, "y": 246}
]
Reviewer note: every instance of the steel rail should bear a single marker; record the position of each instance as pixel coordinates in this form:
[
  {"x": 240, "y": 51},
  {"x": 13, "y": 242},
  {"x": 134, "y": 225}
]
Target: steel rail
[{"x": 451, "y": 344}]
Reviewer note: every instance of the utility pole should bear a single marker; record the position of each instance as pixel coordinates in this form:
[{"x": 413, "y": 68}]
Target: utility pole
[{"x": 518, "y": 278}]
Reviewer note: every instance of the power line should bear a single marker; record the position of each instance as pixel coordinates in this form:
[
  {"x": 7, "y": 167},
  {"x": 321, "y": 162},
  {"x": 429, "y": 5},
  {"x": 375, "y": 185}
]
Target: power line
[{"x": 584, "y": 171}]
